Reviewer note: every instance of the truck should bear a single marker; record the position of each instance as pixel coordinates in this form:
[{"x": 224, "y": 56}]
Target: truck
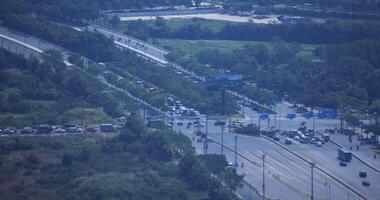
[
  {"x": 326, "y": 137},
  {"x": 106, "y": 128},
  {"x": 344, "y": 155}
]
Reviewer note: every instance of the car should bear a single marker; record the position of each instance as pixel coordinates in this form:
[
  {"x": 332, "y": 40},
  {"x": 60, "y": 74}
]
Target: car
[
  {"x": 342, "y": 164},
  {"x": 27, "y": 130},
  {"x": 318, "y": 144},
  {"x": 296, "y": 138},
  {"x": 10, "y": 130},
  {"x": 276, "y": 138},
  {"x": 179, "y": 124},
  {"x": 365, "y": 183},
  {"x": 220, "y": 123},
  {"x": 200, "y": 125},
  {"x": 288, "y": 141},
  {"x": 313, "y": 141},
  {"x": 59, "y": 130},
  {"x": 91, "y": 129},
  {"x": 363, "y": 174},
  {"x": 1, "y": 131}
]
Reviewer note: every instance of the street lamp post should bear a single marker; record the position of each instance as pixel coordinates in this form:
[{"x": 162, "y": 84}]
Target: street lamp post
[
  {"x": 313, "y": 124},
  {"x": 236, "y": 137},
  {"x": 312, "y": 165},
  {"x": 222, "y": 138},
  {"x": 205, "y": 147},
  {"x": 264, "y": 176}
]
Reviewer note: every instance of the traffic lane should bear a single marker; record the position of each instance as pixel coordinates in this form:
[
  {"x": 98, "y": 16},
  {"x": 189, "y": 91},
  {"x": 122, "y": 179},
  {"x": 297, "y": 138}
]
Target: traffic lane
[
  {"x": 275, "y": 186},
  {"x": 326, "y": 157},
  {"x": 296, "y": 182},
  {"x": 291, "y": 176},
  {"x": 245, "y": 191}
]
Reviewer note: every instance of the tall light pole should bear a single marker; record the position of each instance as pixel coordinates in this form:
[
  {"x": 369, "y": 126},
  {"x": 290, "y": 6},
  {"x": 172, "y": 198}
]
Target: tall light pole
[
  {"x": 222, "y": 138},
  {"x": 264, "y": 176},
  {"x": 313, "y": 124},
  {"x": 312, "y": 165},
  {"x": 205, "y": 147},
  {"x": 236, "y": 137}
]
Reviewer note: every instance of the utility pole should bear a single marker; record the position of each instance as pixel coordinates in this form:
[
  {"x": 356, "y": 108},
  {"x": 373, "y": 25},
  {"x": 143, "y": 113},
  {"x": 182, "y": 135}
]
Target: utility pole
[
  {"x": 205, "y": 144},
  {"x": 222, "y": 137},
  {"x": 264, "y": 176},
  {"x": 236, "y": 164},
  {"x": 312, "y": 165},
  {"x": 313, "y": 124},
  {"x": 172, "y": 121}
]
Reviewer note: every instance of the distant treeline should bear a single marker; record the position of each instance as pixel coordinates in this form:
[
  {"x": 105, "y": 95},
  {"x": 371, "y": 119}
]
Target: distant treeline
[
  {"x": 76, "y": 10},
  {"x": 302, "y": 31}
]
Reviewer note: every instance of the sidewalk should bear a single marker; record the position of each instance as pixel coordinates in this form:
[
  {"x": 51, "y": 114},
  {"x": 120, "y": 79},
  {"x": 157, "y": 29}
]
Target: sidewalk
[{"x": 365, "y": 152}]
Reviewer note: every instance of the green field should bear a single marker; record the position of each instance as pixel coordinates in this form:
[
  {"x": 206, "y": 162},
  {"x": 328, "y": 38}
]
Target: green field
[
  {"x": 191, "y": 47},
  {"x": 175, "y": 24}
]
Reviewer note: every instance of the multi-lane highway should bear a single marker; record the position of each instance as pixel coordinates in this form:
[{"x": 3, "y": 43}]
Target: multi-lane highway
[{"x": 288, "y": 176}]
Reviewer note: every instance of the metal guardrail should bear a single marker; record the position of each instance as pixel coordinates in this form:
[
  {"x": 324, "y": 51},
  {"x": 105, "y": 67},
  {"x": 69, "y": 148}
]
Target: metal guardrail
[{"x": 94, "y": 26}]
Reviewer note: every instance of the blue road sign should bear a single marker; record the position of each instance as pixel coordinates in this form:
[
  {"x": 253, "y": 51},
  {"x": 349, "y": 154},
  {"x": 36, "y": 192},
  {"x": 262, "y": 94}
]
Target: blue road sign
[
  {"x": 308, "y": 115},
  {"x": 291, "y": 116},
  {"x": 264, "y": 116},
  {"x": 321, "y": 115}
]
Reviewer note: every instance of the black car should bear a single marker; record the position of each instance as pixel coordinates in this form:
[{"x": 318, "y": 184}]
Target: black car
[
  {"x": 363, "y": 174},
  {"x": 365, "y": 183},
  {"x": 220, "y": 123},
  {"x": 276, "y": 138},
  {"x": 342, "y": 163}
]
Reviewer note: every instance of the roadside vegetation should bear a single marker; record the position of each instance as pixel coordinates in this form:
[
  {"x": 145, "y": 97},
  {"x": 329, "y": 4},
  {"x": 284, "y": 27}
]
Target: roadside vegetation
[
  {"x": 50, "y": 93},
  {"x": 135, "y": 164},
  {"x": 316, "y": 64}
]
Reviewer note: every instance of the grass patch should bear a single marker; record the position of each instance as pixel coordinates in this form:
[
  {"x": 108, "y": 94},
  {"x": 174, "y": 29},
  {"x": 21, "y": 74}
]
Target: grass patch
[
  {"x": 176, "y": 24},
  {"x": 192, "y": 47}
]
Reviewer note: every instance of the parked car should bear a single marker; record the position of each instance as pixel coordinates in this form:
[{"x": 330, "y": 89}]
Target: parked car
[
  {"x": 276, "y": 138},
  {"x": 27, "y": 130},
  {"x": 180, "y": 124},
  {"x": 44, "y": 128},
  {"x": 59, "y": 130},
  {"x": 1, "y": 131},
  {"x": 296, "y": 138},
  {"x": 10, "y": 131},
  {"x": 91, "y": 129},
  {"x": 288, "y": 141}
]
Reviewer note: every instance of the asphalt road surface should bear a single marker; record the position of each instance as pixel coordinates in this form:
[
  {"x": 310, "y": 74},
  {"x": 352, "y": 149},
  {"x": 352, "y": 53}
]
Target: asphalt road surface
[{"x": 287, "y": 176}]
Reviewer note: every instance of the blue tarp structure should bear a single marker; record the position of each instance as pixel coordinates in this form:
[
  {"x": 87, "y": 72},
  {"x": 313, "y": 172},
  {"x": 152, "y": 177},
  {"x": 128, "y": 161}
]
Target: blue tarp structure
[{"x": 291, "y": 116}]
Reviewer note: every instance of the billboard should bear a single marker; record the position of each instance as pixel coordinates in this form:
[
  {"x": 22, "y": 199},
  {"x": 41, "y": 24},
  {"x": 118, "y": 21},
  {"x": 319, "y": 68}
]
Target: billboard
[{"x": 223, "y": 82}]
